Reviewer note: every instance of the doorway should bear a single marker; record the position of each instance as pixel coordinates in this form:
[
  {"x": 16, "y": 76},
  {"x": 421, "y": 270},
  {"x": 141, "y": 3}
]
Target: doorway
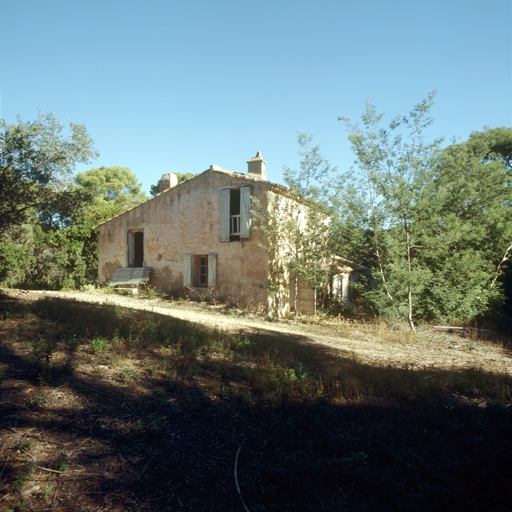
[{"x": 136, "y": 248}]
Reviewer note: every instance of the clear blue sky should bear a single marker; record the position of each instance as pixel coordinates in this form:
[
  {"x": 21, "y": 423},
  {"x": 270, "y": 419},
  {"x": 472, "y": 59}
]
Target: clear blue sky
[{"x": 174, "y": 86}]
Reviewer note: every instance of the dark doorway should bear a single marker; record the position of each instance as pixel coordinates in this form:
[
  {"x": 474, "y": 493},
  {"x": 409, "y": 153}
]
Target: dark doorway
[{"x": 138, "y": 249}]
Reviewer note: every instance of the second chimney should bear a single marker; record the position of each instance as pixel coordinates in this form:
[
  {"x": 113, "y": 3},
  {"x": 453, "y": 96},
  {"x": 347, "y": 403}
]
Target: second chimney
[{"x": 168, "y": 180}]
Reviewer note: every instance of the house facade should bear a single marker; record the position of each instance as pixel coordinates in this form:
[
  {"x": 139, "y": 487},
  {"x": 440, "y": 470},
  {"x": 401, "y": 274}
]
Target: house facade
[{"x": 198, "y": 236}]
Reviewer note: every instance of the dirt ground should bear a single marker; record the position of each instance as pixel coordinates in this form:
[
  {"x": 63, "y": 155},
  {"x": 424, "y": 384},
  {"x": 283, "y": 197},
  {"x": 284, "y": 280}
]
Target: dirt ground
[
  {"x": 117, "y": 437},
  {"x": 369, "y": 343}
]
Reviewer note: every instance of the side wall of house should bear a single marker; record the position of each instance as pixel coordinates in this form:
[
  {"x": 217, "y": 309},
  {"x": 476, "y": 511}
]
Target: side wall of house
[
  {"x": 281, "y": 209},
  {"x": 186, "y": 220}
]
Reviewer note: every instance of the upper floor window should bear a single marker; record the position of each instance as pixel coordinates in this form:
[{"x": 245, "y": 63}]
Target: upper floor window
[{"x": 235, "y": 220}]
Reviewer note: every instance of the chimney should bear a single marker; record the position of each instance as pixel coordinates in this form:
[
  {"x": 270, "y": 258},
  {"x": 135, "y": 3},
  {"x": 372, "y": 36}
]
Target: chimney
[
  {"x": 256, "y": 167},
  {"x": 168, "y": 180}
]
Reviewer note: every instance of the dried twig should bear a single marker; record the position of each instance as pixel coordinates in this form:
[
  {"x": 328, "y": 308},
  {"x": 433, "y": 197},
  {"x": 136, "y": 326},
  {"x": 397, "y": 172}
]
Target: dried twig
[
  {"x": 44, "y": 469},
  {"x": 54, "y": 496},
  {"x": 236, "y": 479},
  {"x": 6, "y": 460}
]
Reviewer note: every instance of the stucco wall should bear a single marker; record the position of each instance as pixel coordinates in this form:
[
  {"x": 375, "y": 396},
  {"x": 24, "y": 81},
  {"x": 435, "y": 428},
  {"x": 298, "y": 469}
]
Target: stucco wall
[{"x": 186, "y": 220}]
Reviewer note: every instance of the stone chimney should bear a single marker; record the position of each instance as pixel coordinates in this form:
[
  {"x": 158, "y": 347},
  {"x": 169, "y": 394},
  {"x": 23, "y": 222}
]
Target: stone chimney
[
  {"x": 256, "y": 167},
  {"x": 168, "y": 180}
]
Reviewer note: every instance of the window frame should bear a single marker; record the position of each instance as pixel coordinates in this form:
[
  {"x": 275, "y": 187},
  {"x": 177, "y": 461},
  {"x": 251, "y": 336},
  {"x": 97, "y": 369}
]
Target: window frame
[{"x": 240, "y": 219}]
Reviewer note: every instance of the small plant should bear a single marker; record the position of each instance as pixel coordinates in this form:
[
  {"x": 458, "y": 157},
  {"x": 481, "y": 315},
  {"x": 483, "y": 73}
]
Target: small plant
[
  {"x": 39, "y": 400},
  {"x": 126, "y": 374},
  {"x": 47, "y": 491},
  {"x": 24, "y": 476},
  {"x": 148, "y": 291},
  {"x": 24, "y": 446},
  {"x": 99, "y": 346},
  {"x": 62, "y": 463},
  {"x": 117, "y": 341}
]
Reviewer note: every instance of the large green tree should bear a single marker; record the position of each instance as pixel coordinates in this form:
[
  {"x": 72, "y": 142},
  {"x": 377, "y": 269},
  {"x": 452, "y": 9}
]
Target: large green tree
[
  {"x": 112, "y": 184},
  {"x": 397, "y": 169},
  {"x": 440, "y": 220},
  {"x": 37, "y": 160}
]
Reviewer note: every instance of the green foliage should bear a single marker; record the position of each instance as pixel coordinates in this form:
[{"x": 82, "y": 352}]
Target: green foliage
[
  {"x": 117, "y": 184},
  {"x": 296, "y": 226},
  {"x": 36, "y": 161},
  {"x": 439, "y": 221},
  {"x": 57, "y": 245}
]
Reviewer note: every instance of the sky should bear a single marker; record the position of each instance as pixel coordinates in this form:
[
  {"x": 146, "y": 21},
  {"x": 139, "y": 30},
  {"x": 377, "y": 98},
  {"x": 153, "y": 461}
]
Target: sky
[{"x": 179, "y": 85}]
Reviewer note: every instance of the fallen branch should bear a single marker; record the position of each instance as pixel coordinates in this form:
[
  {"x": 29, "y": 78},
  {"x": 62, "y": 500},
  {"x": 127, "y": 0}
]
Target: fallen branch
[
  {"x": 236, "y": 479},
  {"x": 462, "y": 330}
]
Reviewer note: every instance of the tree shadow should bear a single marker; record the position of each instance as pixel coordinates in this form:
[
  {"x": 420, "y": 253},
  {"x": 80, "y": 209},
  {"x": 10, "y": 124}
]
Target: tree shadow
[{"x": 168, "y": 443}]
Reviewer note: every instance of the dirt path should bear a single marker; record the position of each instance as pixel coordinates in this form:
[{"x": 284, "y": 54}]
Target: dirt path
[{"x": 369, "y": 343}]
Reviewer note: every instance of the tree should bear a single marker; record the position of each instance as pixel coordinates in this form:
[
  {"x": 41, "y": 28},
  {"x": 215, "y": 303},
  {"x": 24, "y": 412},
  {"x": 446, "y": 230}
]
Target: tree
[
  {"x": 112, "y": 184},
  {"x": 296, "y": 225},
  {"x": 36, "y": 160},
  {"x": 492, "y": 144},
  {"x": 398, "y": 169},
  {"x": 440, "y": 221}
]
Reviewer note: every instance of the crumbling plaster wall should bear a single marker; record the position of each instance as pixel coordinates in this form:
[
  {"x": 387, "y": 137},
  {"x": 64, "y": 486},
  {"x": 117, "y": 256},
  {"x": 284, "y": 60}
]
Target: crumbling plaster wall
[{"x": 186, "y": 220}]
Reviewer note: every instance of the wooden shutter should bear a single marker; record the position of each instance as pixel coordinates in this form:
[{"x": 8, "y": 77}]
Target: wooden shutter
[
  {"x": 212, "y": 270},
  {"x": 187, "y": 270},
  {"x": 245, "y": 213},
  {"x": 224, "y": 215}
]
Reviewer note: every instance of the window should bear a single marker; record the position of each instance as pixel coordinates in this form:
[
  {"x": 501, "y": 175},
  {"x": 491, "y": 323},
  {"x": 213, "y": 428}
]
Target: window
[
  {"x": 235, "y": 220},
  {"x": 136, "y": 248},
  {"x": 200, "y": 270}
]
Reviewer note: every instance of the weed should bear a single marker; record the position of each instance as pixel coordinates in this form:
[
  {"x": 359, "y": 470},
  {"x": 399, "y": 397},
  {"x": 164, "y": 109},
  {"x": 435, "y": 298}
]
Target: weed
[
  {"x": 117, "y": 342},
  {"x": 24, "y": 446},
  {"x": 88, "y": 288},
  {"x": 148, "y": 291},
  {"x": 2, "y": 374},
  {"x": 158, "y": 426},
  {"x": 126, "y": 375},
  {"x": 100, "y": 346},
  {"x": 73, "y": 342},
  {"x": 24, "y": 476},
  {"x": 39, "y": 400},
  {"x": 47, "y": 491},
  {"x": 62, "y": 463}
]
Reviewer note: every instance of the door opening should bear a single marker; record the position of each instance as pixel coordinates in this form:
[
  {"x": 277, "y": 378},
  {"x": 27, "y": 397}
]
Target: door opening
[{"x": 138, "y": 249}]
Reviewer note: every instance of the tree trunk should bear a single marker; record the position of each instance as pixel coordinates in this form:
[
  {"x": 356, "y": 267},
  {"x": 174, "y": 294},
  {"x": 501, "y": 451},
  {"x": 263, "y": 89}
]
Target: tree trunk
[{"x": 409, "y": 288}]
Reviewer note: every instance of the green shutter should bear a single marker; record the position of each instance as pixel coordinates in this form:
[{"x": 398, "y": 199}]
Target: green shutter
[
  {"x": 245, "y": 213},
  {"x": 212, "y": 270},
  {"x": 187, "y": 270},
  {"x": 224, "y": 215}
]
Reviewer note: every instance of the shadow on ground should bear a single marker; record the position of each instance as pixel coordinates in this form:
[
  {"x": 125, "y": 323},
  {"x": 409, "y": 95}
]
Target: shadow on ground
[{"x": 168, "y": 444}]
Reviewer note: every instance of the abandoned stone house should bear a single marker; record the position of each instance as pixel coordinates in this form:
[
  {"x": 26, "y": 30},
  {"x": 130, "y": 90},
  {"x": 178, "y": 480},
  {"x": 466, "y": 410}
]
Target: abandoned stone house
[{"x": 197, "y": 235}]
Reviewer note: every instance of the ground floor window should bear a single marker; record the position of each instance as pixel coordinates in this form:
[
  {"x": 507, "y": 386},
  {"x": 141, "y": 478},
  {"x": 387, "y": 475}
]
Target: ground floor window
[{"x": 200, "y": 270}]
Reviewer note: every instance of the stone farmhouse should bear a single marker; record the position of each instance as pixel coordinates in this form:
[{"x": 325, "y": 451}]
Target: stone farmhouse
[{"x": 196, "y": 236}]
